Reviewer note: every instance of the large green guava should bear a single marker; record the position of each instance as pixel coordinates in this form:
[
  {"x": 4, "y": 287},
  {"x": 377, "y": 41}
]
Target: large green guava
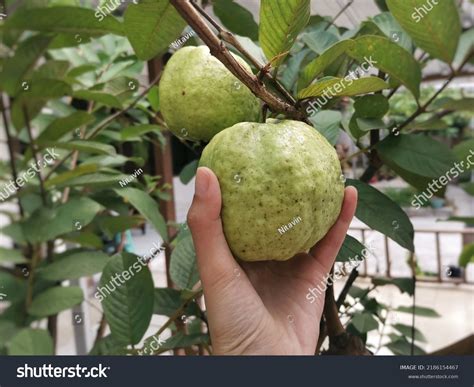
[
  {"x": 281, "y": 184},
  {"x": 199, "y": 97}
]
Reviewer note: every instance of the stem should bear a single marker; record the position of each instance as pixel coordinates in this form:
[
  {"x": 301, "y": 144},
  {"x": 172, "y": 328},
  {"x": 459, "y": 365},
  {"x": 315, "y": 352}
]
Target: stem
[
  {"x": 347, "y": 286},
  {"x": 221, "y": 52},
  {"x": 35, "y": 153},
  {"x": 178, "y": 312},
  {"x": 229, "y": 38},
  {"x": 11, "y": 151}
]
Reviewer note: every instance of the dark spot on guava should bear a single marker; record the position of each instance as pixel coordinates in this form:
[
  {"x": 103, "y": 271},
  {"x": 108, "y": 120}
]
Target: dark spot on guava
[{"x": 183, "y": 92}]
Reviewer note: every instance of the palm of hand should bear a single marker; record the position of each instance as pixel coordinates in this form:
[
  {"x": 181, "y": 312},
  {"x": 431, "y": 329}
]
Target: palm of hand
[{"x": 260, "y": 307}]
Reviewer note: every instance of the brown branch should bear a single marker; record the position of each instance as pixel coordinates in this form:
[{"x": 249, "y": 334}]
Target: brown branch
[
  {"x": 229, "y": 38},
  {"x": 221, "y": 52},
  {"x": 347, "y": 286}
]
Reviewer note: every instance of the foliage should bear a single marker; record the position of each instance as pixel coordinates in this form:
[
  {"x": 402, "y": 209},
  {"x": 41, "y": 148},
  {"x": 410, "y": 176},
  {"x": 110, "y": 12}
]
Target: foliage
[{"x": 73, "y": 84}]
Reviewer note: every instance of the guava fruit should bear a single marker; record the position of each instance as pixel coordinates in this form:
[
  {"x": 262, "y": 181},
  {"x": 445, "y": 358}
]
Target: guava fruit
[
  {"x": 199, "y": 97},
  {"x": 281, "y": 185}
]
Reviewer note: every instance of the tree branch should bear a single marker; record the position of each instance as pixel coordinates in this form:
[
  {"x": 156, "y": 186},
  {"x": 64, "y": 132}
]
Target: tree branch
[{"x": 221, "y": 52}]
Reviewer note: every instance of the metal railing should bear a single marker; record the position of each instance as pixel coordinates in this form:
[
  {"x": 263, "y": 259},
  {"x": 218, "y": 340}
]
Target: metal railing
[{"x": 439, "y": 259}]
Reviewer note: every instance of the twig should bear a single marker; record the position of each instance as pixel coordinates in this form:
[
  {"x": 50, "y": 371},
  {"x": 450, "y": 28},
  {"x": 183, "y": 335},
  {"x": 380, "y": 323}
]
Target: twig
[
  {"x": 35, "y": 153},
  {"x": 178, "y": 312},
  {"x": 341, "y": 11},
  {"x": 229, "y": 38},
  {"x": 347, "y": 286},
  {"x": 221, "y": 52}
]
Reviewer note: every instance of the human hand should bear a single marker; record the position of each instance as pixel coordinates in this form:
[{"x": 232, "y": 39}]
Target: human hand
[{"x": 259, "y": 308}]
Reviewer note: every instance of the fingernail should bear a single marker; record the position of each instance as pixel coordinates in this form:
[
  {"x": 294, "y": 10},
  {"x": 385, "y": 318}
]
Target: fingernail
[{"x": 202, "y": 182}]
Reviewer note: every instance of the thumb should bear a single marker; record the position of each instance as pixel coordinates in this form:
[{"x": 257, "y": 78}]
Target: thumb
[{"x": 214, "y": 258}]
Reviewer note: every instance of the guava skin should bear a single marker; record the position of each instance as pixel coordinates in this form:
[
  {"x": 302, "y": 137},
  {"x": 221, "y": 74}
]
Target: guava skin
[
  {"x": 271, "y": 175},
  {"x": 199, "y": 97}
]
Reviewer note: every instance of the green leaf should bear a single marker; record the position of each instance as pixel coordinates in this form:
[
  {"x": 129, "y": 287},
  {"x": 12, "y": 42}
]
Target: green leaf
[
  {"x": 292, "y": 68},
  {"x": 82, "y": 146},
  {"x": 419, "y": 311},
  {"x": 371, "y": 106},
  {"x": 151, "y": 26},
  {"x": 180, "y": 340},
  {"x": 82, "y": 169},
  {"x": 107, "y": 346},
  {"x": 34, "y": 98},
  {"x": 337, "y": 87},
  {"x": 85, "y": 239},
  {"x": 434, "y": 29},
  {"x": 351, "y": 250},
  {"x": 405, "y": 285},
  {"x": 135, "y": 133},
  {"x": 127, "y": 304},
  {"x": 74, "y": 266},
  {"x": 433, "y": 123},
  {"x": 318, "y": 65},
  {"x": 168, "y": 301},
  {"x": 72, "y": 20},
  {"x": 112, "y": 225},
  {"x": 467, "y": 255},
  {"x": 153, "y": 97},
  {"x": 395, "y": 222},
  {"x": 147, "y": 207},
  {"x": 463, "y": 104},
  {"x": 406, "y": 330},
  {"x": 280, "y": 24},
  {"x": 76, "y": 213},
  {"x": 55, "y": 300},
  {"x": 15, "y": 69},
  {"x": 8, "y": 329},
  {"x": 367, "y": 124},
  {"x": 418, "y": 154},
  {"x": 402, "y": 347},
  {"x": 99, "y": 97},
  {"x": 380, "y": 52},
  {"x": 188, "y": 172},
  {"x": 183, "y": 265},
  {"x": 364, "y": 322},
  {"x": 236, "y": 18},
  {"x": 63, "y": 125},
  {"x": 12, "y": 288},
  {"x": 319, "y": 40},
  {"x": 96, "y": 180},
  {"x": 465, "y": 47},
  {"x": 11, "y": 256},
  {"x": 29, "y": 341},
  {"x": 328, "y": 123},
  {"x": 464, "y": 151},
  {"x": 389, "y": 26}
]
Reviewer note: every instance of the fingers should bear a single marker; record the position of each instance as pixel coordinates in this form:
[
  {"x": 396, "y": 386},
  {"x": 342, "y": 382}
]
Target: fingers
[
  {"x": 214, "y": 258},
  {"x": 327, "y": 248}
]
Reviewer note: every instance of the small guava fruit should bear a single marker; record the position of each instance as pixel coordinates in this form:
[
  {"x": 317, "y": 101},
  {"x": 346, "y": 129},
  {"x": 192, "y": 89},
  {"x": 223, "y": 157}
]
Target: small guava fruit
[
  {"x": 199, "y": 97},
  {"x": 282, "y": 187}
]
